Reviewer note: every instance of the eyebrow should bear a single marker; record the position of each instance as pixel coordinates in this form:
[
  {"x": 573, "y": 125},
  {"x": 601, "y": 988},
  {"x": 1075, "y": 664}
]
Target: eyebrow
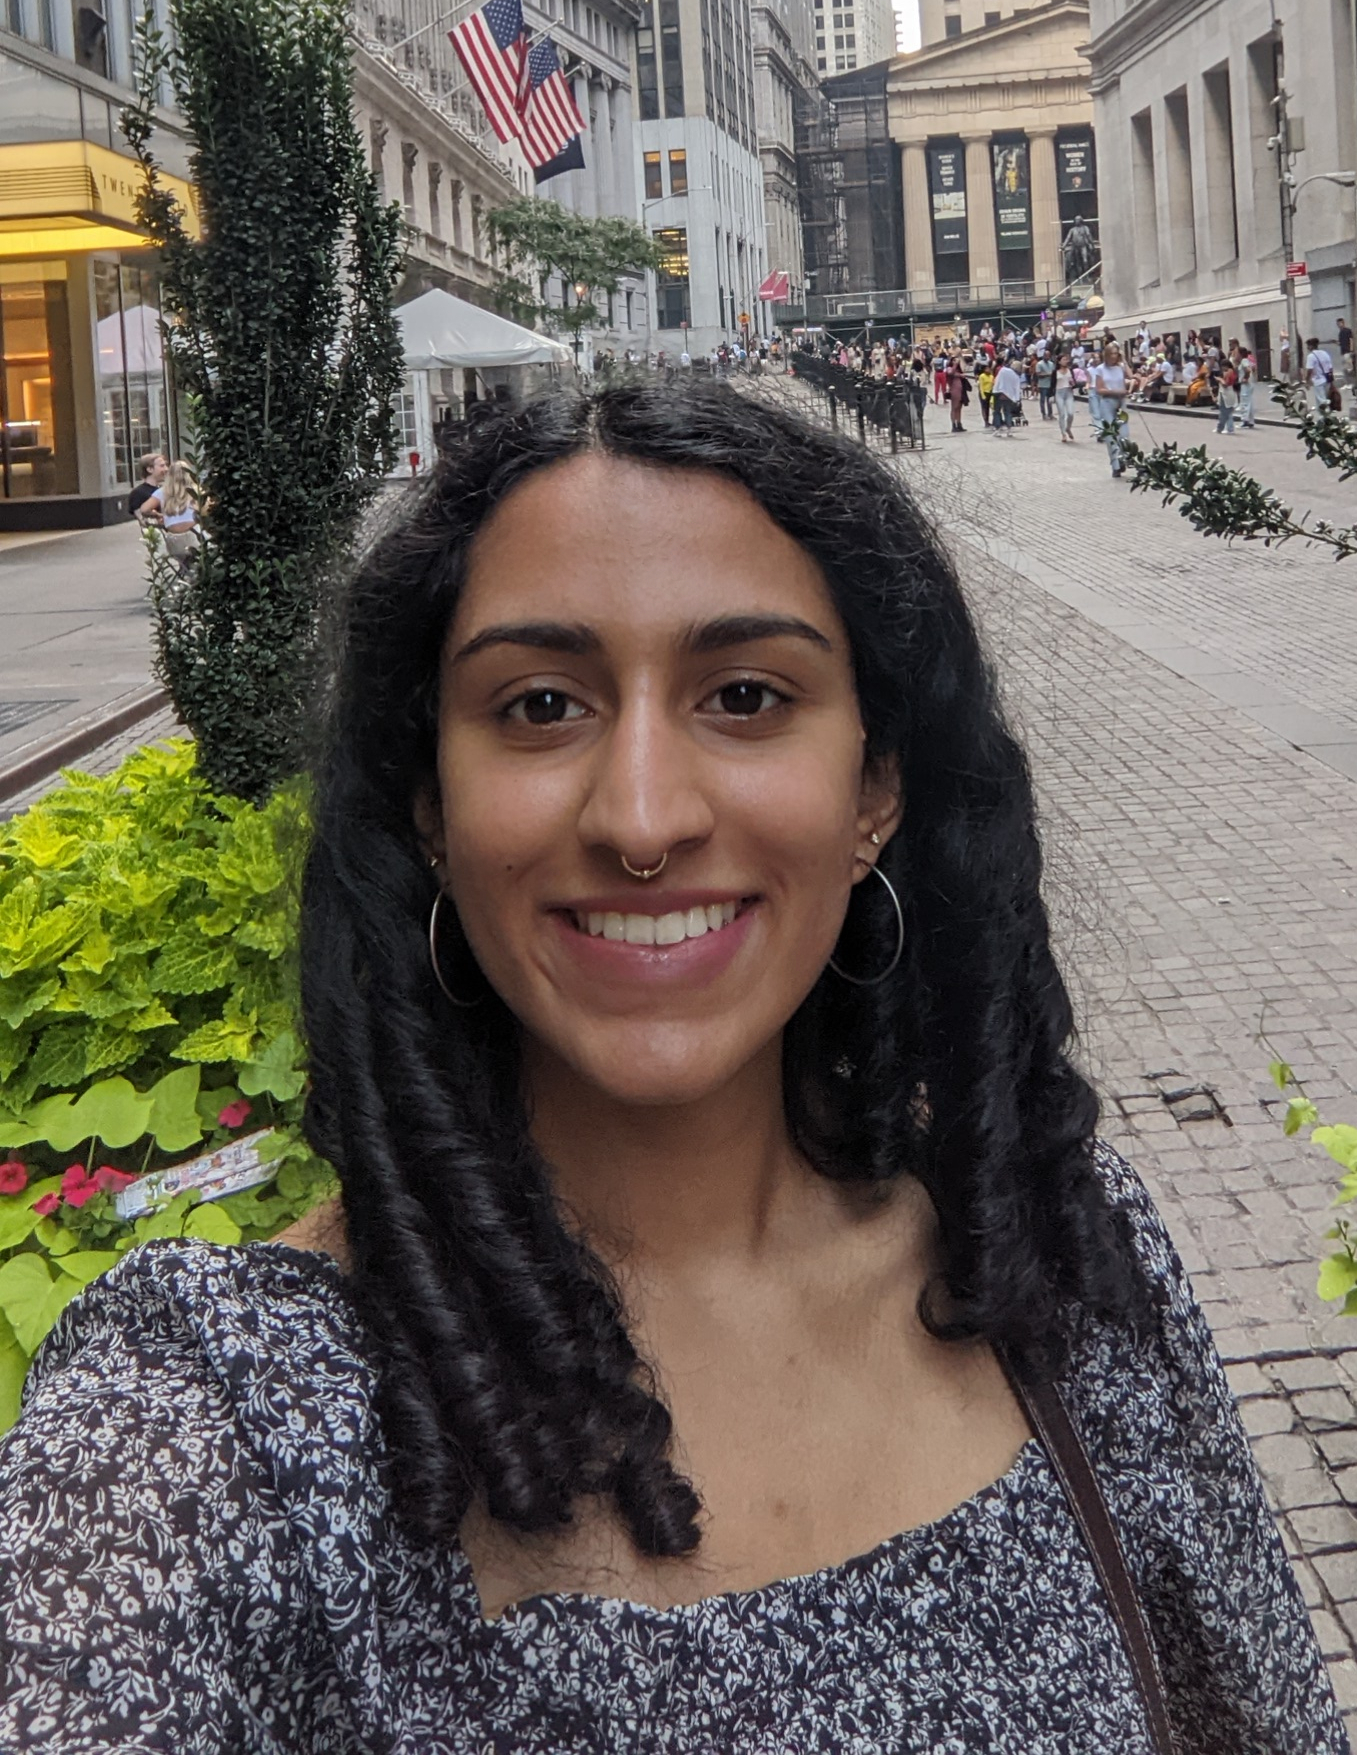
[{"x": 580, "y": 640}]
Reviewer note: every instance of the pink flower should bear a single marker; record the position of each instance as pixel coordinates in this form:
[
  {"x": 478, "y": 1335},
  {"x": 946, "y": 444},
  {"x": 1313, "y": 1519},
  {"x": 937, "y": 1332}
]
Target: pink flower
[
  {"x": 77, "y": 1186},
  {"x": 49, "y": 1203},
  {"x": 109, "y": 1181},
  {"x": 234, "y": 1113},
  {"x": 13, "y": 1177}
]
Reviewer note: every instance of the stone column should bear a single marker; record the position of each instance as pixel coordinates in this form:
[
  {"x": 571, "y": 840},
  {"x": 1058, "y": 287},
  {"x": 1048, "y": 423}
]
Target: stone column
[
  {"x": 918, "y": 217},
  {"x": 1046, "y": 258},
  {"x": 605, "y": 177},
  {"x": 980, "y": 210},
  {"x": 586, "y": 181}
]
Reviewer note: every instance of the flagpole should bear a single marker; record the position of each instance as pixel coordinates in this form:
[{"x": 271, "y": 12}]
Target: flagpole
[{"x": 432, "y": 25}]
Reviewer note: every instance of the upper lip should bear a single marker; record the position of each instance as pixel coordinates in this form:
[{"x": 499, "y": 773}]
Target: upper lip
[{"x": 654, "y": 902}]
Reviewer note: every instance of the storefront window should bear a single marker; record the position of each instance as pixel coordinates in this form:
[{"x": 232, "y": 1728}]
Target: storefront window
[
  {"x": 133, "y": 410},
  {"x": 37, "y": 399}
]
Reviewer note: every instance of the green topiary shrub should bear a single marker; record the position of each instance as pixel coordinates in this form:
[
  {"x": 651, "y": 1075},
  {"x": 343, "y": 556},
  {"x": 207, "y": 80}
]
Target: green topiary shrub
[{"x": 148, "y": 1016}]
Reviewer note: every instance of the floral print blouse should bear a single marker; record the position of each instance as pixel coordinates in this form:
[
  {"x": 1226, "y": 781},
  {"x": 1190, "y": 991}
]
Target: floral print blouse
[{"x": 197, "y": 1555}]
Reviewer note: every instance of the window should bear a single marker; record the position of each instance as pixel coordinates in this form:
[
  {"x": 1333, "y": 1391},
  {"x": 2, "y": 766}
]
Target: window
[
  {"x": 671, "y": 278},
  {"x": 654, "y": 176},
  {"x": 678, "y": 172},
  {"x": 850, "y": 41},
  {"x": 819, "y": 43},
  {"x": 992, "y": 18},
  {"x": 647, "y": 78},
  {"x": 952, "y": 24}
]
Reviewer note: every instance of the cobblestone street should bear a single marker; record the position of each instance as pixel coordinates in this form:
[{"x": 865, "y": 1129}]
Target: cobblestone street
[{"x": 1203, "y": 881}]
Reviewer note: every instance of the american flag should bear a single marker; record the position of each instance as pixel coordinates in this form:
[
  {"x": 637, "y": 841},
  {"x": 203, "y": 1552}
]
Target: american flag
[
  {"x": 493, "y": 47},
  {"x": 551, "y": 117}
]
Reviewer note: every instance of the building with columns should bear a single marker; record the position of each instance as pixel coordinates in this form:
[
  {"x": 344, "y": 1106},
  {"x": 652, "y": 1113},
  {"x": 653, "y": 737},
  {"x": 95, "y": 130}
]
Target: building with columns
[
  {"x": 1185, "y": 107},
  {"x": 941, "y": 20},
  {"x": 701, "y": 177},
  {"x": 784, "y": 73},
  {"x": 994, "y": 125}
]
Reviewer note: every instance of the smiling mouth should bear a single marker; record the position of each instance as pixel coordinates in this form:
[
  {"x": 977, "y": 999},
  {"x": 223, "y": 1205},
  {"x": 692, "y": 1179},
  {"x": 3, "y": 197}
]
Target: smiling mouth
[{"x": 661, "y": 929}]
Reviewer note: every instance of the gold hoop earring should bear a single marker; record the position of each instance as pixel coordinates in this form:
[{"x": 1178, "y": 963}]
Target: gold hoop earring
[
  {"x": 872, "y": 980},
  {"x": 647, "y": 871},
  {"x": 465, "y": 1004}
]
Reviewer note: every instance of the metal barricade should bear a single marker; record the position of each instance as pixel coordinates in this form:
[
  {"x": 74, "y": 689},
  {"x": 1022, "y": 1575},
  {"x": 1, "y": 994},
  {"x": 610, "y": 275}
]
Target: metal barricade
[{"x": 887, "y": 414}]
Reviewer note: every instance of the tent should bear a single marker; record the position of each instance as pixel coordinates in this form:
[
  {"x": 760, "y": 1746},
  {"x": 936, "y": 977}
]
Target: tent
[
  {"x": 441, "y": 334},
  {"x": 439, "y": 330}
]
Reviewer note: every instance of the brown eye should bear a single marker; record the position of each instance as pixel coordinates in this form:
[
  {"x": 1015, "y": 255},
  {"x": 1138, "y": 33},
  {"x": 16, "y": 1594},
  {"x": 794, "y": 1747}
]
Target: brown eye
[
  {"x": 745, "y": 700},
  {"x": 543, "y": 707}
]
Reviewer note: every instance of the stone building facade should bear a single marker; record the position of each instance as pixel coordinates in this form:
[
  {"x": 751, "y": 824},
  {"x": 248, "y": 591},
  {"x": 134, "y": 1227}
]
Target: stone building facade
[
  {"x": 1184, "y": 94},
  {"x": 784, "y": 73},
  {"x": 853, "y": 33},
  {"x": 994, "y": 125}
]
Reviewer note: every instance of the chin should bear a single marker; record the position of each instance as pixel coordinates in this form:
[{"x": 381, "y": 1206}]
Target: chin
[{"x": 659, "y": 1075}]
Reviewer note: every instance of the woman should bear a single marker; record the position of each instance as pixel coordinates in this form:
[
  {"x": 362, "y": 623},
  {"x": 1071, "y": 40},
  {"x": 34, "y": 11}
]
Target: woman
[
  {"x": 984, "y": 384},
  {"x": 958, "y": 390},
  {"x": 685, "y": 1033},
  {"x": 174, "y": 508},
  {"x": 1109, "y": 386},
  {"x": 1227, "y": 396},
  {"x": 1064, "y": 398},
  {"x": 1045, "y": 377}
]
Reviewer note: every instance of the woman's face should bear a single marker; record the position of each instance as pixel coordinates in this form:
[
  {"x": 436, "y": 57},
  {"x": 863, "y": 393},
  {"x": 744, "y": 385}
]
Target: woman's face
[{"x": 643, "y": 666}]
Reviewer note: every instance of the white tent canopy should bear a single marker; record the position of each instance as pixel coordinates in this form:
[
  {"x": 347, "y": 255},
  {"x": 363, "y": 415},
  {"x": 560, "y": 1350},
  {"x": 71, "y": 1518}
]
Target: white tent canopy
[{"x": 439, "y": 330}]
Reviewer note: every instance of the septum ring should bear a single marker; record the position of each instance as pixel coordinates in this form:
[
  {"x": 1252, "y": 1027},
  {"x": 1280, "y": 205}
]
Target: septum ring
[{"x": 646, "y": 872}]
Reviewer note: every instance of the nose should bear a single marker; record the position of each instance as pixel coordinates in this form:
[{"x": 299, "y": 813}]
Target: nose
[{"x": 650, "y": 787}]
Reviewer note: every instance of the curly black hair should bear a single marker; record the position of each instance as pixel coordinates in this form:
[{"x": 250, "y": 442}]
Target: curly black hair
[{"x": 506, "y": 1365}]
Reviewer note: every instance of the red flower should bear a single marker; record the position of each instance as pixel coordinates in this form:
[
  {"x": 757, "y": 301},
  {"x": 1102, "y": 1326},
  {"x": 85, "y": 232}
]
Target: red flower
[
  {"x": 234, "y": 1113},
  {"x": 13, "y": 1177},
  {"x": 108, "y": 1180},
  {"x": 77, "y": 1186},
  {"x": 45, "y": 1207}
]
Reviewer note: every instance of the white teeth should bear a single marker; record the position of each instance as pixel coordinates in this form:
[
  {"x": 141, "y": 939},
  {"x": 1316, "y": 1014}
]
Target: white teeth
[{"x": 658, "y": 929}]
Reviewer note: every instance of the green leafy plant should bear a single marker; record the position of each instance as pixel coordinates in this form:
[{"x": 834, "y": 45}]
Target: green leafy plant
[
  {"x": 536, "y": 239},
  {"x": 1224, "y": 502},
  {"x": 1338, "y": 1272},
  {"x": 148, "y": 1016},
  {"x": 281, "y": 332}
]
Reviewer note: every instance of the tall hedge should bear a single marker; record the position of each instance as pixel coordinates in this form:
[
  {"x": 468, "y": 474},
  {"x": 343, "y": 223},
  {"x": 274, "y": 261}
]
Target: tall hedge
[{"x": 281, "y": 333}]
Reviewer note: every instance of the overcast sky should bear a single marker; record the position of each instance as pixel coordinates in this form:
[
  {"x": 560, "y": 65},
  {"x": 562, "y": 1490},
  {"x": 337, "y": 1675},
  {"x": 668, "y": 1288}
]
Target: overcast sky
[{"x": 907, "y": 11}]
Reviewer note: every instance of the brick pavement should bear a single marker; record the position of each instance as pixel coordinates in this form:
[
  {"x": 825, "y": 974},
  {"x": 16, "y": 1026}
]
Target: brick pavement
[{"x": 1202, "y": 882}]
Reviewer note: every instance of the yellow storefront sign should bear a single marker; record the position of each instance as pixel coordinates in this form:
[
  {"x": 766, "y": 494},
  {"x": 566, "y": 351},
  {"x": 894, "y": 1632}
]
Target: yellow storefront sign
[{"x": 57, "y": 196}]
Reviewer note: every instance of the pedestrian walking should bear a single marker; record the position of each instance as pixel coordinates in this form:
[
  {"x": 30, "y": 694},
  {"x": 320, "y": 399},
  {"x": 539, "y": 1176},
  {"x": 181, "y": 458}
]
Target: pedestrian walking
[
  {"x": 1227, "y": 398},
  {"x": 1246, "y": 372},
  {"x": 1109, "y": 380},
  {"x": 940, "y": 364},
  {"x": 1064, "y": 398},
  {"x": 1345, "y": 346},
  {"x": 1007, "y": 399},
  {"x": 1045, "y": 374},
  {"x": 984, "y": 384},
  {"x": 958, "y": 391},
  {"x": 1319, "y": 373}
]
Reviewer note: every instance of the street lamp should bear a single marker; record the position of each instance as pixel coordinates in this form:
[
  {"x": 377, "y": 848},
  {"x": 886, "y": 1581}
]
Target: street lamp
[{"x": 581, "y": 288}]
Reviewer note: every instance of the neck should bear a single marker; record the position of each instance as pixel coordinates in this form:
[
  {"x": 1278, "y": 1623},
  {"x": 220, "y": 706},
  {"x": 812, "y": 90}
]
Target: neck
[{"x": 663, "y": 1185}]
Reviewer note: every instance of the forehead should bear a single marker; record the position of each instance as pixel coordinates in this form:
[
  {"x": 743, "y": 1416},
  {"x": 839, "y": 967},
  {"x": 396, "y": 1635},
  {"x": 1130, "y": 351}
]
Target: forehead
[{"x": 632, "y": 548}]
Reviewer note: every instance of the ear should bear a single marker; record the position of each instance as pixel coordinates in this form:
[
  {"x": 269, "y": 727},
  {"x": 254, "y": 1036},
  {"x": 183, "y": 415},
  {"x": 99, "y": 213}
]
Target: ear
[
  {"x": 428, "y": 814},
  {"x": 880, "y": 806}
]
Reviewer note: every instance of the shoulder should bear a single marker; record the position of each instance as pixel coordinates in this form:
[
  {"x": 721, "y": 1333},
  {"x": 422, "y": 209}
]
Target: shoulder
[{"x": 191, "y": 1362}]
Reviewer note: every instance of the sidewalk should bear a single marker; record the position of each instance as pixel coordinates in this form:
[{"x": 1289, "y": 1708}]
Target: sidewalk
[
  {"x": 1202, "y": 880},
  {"x": 75, "y": 628}
]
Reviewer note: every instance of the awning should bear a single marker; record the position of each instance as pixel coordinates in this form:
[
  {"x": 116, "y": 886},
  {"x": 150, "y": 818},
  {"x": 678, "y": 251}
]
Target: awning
[
  {"x": 60, "y": 196},
  {"x": 777, "y": 285},
  {"x": 440, "y": 330}
]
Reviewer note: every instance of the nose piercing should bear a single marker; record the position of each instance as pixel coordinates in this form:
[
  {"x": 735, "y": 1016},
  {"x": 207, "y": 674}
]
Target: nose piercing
[{"x": 646, "y": 871}]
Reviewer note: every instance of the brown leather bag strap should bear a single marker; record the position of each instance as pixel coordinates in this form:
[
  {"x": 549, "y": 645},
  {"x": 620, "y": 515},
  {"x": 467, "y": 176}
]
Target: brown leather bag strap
[{"x": 1050, "y": 1420}]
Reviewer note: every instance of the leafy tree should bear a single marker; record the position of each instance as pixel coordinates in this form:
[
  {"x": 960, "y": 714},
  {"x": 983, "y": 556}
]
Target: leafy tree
[
  {"x": 1225, "y": 502},
  {"x": 537, "y": 239},
  {"x": 281, "y": 333}
]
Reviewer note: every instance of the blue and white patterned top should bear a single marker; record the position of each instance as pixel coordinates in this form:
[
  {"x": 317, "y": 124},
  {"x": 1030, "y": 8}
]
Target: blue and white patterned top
[{"x": 196, "y": 1555}]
